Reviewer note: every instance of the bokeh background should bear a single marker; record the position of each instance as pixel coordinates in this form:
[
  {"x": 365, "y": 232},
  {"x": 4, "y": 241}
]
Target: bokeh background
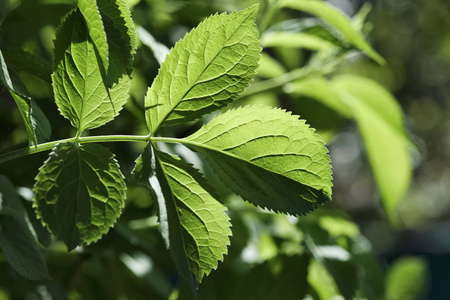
[{"x": 412, "y": 35}]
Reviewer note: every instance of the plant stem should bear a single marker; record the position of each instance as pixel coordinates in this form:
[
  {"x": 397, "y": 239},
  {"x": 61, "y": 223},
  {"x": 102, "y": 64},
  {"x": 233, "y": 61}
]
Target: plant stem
[
  {"x": 265, "y": 85},
  {"x": 81, "y": 140}
]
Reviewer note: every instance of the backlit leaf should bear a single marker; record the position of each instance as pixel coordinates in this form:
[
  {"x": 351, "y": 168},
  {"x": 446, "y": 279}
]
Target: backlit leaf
[
  {"x": 206, "y": 70},
  {"x": 294, "y": 40},
  {"x": 79, "y": 193},
  {"x": 80, "y": 92},
  {"x": 269, "y": 157},
  {"x": 336, "y": 18},
  {"x": 16, "y": 241},
  {"x": 193, "y": 223},
  {"x": 380, "y": 123},
  {"x": 97, "y": 32}
]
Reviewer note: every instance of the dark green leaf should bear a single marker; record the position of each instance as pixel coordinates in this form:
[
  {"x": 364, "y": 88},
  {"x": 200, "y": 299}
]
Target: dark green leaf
[
  {"x": 79, "y": 193},
  {"x": 16, "y": 240}
]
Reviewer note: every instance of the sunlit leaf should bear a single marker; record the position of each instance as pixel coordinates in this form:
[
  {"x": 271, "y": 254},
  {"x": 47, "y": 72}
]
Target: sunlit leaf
[
  {"x": 16, "y": 241},
  {"x": 269, "y": 157},
  {"x": 193, "y": 223},
  {"x": 380, "y": 123},
  {"x": 159, "y": 50},
  {"x": 206, "y": 70},
  {"x": 80, "y": 92},
  {"x": 269, "y": 67},
  {"x": 407, "y": 279},
  {"x": 336, "y": 18},
  {"x": 79, "y": 193},
  {"x": 294, "y": 40}
]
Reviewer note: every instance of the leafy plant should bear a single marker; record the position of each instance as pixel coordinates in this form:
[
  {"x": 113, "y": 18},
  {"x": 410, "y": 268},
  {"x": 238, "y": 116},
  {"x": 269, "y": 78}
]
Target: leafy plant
[{"x": 266, "y": 155}]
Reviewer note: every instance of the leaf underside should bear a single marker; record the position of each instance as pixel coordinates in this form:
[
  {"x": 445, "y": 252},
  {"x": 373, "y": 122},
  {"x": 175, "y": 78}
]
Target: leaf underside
[
  {"x": 193, "y": 223},
  {"x": 80, "y": 92},
  {"x": 206, "y": 70},
  {"x": 269, "y": 157},
  {"x": 79, "y": 193}
]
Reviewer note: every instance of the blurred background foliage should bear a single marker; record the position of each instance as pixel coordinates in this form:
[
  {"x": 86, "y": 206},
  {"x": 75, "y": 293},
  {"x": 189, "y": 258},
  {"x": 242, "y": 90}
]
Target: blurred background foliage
[{"x": 347, "y": 249}]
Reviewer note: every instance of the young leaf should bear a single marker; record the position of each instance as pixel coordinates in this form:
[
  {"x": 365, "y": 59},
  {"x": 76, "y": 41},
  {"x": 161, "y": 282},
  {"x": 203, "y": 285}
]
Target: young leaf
[
  {"x": 97, "y": 32},
  {"x": 16, "y": 241},
  {"x": 79, "y": 193},
  {"x": 206, "y": 70},
  {"x": 336, "y": 18},
  {"x": 80, "y": 93},
  {"x": 193, "y": 223},
  {"x": 380, "y": 123},
  {"x": 294, "y": 40},
  {"x": 269, "y": 157},
  {"x": 36, "y": 124}
]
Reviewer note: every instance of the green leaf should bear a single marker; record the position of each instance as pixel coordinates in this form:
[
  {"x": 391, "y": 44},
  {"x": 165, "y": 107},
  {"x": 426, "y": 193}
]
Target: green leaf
[
  {"x": 31, "y": 63},
  {"x": 269, "y": 157},
  {"x": 269, "y": 67},
  {"x": 193, "y": 223},
  {"x": 122, "y": 37},
  {"x": 336, "y": 18},
  {"x": 16, "y": 241},
  {"x": 97, "y": 32},
  {"x": 80, "y": 93},
  {"x": 321, "y": 90},
  {"x": 380, "y": 123},
  {"x": 37, "y": 125},
  {"x": 79, "y": 193},
  {"x": 407, "y": 279},
  {"x": 159, "y": 50},
  {"x": 206, "y": 70},
  {"x": 294, "y": 40}
]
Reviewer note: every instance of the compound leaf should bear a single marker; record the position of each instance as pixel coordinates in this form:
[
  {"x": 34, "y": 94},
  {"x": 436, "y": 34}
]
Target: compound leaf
[
  {"x": 206, "y": 70},
  {"x": 79, "y": 193},
  {"x": 16, "y": 241},
  {"x": 193, "y": 223},
  {"x": 336, "y": 18},
  {"x": 269, "y": 157},
  {"x": 80, "y": 93}
]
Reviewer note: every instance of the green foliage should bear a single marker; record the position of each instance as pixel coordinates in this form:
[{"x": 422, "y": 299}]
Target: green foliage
[
  {"x": 407, "y": 279},
  {"x": 268, "y": 156},
  {"x": 80, "y": 193},
  {"x": 205, "y": 71},
  {"x": 16, "y": 240}
]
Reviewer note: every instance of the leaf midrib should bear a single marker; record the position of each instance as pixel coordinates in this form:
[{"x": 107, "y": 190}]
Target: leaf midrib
[{"x": 167, "y": 114}]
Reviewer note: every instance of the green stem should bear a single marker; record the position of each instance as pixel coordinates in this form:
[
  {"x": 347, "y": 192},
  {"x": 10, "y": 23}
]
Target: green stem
[
  {"x": 265, "y": 85},
  {"x": 81, "y": 140}
]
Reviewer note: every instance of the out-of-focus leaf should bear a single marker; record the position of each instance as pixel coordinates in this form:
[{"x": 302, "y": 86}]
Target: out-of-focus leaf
[
  {"x": 206, "y": 70},
  {"x": 269, "y": 157},
  {"x": 269, "y": 67},
  {"x": 336, "y": 18},
  {"x": 16, "y": 240},
  {"x": 380, "y": 123},
  {"x": 79, "y": 193},
  {"x": 28, "y": 62},
  {"x": 319, "y": 89},
  {"x": 160, "y": 51},
  {"x": 294, "y": 40},
  {"x": 407, "y": 279}
]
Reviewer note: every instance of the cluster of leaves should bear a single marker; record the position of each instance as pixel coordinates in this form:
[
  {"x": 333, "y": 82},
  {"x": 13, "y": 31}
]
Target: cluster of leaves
[{"x": 268, "y": 156}]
